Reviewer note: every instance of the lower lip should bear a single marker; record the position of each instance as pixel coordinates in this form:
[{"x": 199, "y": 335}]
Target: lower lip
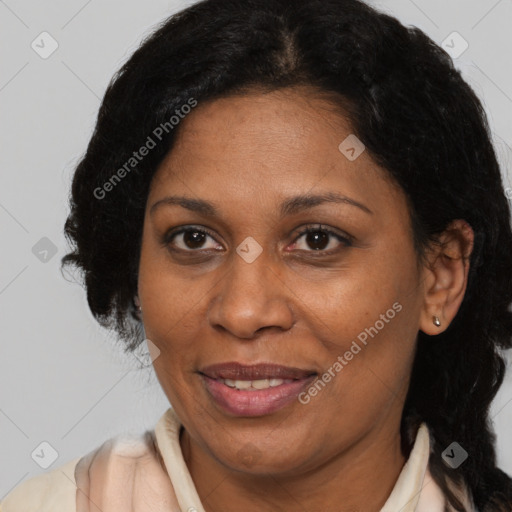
[{"x": 254, "y": 403}]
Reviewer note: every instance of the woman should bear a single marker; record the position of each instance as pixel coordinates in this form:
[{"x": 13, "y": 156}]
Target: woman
[{"x": 298, "y": 205}]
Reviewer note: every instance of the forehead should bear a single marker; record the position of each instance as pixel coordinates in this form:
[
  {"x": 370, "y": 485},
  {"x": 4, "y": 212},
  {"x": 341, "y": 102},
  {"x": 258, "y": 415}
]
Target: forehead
[{"x": 268, "y": 146}]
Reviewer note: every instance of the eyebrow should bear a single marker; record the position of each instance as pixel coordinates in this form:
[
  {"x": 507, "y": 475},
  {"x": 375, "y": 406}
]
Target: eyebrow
[{"x": 290, "y": 206}]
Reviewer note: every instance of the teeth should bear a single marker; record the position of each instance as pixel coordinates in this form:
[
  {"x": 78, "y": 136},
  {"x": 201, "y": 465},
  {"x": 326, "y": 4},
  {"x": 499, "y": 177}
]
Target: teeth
[
  {"x": 261, "y": 384},
  {"x": 242, "y": 384},
  {"x": 255, "y": 384}
]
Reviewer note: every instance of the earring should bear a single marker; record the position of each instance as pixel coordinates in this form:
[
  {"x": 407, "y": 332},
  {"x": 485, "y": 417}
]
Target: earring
[
  {"x": 137, "y": 304},
  {"x": 436, "y": 321}
]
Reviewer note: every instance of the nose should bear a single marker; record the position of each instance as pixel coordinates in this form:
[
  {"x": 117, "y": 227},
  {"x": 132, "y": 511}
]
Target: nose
[{"x": 252, "y": 297}]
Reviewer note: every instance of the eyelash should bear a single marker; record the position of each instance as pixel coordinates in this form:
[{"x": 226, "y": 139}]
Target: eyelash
[{"x": 345, "y": 240}]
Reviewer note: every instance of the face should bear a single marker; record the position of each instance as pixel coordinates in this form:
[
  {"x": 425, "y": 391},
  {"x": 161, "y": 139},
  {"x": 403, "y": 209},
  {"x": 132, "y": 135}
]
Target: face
[{"x": 240, "y": 281}]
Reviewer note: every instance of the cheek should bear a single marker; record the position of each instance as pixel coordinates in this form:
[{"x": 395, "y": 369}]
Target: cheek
[
  {"x": 366, "y": 322},
  {"x": 345, "y": 304},
  {"x": 171, "y": 304}
]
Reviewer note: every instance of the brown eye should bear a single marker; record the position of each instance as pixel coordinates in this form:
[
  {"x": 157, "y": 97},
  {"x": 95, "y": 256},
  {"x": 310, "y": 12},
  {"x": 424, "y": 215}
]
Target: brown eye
[
  {"x": 318, "y": 238},
  {"x": 192, "y": 239}
]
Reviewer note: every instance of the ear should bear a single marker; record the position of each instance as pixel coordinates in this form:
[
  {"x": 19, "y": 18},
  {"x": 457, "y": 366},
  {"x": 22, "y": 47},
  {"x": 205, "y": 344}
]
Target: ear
[{"x": 445, "y": 276}]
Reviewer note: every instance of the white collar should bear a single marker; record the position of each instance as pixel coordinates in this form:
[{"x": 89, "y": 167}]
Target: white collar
[{"x": 405, "y": 496}]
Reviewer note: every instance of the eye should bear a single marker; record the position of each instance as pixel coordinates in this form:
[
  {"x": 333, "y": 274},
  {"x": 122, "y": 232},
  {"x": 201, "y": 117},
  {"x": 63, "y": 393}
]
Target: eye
[
  {"x": 319, "y": 237},
  {"x": 192, "y": 238}
]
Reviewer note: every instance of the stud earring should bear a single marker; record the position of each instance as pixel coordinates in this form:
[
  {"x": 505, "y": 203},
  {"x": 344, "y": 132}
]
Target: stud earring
[
  {"x": 436, "y": 321},
  {"x": 137, "y": 304}
]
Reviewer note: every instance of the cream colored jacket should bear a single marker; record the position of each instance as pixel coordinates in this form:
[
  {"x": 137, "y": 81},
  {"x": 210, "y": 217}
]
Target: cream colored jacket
[{"x": 126, "y": 475}]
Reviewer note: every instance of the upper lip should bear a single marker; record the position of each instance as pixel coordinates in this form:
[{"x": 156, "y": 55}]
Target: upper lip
[{"x": 239, "y": 371}]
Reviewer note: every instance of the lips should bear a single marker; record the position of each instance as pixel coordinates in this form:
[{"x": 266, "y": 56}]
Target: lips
[
  {"x": 238, "y": 371},
  {"x": 254, "y": 390}
]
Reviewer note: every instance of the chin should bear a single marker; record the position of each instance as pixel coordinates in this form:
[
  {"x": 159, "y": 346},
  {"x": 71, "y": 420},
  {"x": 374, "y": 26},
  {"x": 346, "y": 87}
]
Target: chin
[{"x": 255, "y": 459}]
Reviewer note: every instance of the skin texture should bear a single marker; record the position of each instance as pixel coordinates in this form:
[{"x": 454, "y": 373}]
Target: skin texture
[{"x": 247, "y": 154}]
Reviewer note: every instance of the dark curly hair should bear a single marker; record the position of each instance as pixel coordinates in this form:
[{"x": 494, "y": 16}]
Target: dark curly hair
[{"x": 417, "y": 118}]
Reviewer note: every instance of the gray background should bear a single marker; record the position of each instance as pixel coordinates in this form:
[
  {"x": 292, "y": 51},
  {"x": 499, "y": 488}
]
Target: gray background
[{"x": 63, "y": 379}]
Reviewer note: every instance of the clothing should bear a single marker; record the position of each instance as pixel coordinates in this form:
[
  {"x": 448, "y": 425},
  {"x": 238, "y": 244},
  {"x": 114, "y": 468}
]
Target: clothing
[{"x": 126, "y": 474}]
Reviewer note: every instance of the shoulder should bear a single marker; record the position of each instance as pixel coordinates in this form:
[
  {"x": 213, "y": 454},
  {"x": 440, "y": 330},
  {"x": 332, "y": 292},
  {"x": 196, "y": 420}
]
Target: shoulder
[
  {"x": 53, "y": 491},
  {"x": 125, "y": 472}
]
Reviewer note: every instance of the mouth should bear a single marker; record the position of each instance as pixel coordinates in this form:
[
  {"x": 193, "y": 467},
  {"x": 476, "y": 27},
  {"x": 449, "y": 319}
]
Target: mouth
[{"x": 254, "y": 390}]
